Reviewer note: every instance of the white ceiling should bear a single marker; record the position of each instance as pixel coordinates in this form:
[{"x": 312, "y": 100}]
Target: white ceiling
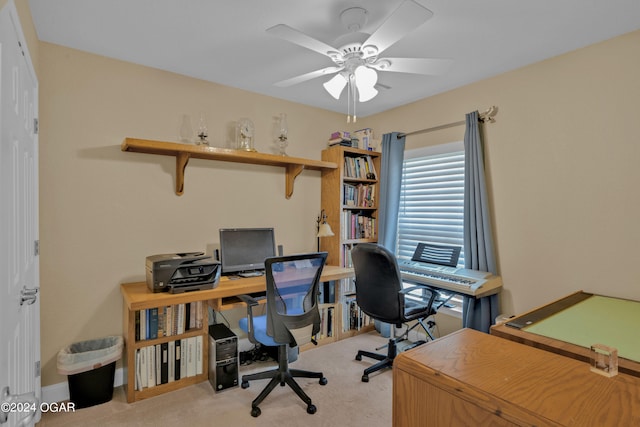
[{"x": 224, "y": 41}]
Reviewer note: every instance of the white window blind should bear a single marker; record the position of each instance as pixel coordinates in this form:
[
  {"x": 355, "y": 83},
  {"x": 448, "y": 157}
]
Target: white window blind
[{"x": 431, "y": 199}]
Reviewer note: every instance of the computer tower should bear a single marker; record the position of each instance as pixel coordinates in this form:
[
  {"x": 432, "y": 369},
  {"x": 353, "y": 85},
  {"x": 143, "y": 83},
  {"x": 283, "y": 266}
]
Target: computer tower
[{"x": 223, "y": 357}]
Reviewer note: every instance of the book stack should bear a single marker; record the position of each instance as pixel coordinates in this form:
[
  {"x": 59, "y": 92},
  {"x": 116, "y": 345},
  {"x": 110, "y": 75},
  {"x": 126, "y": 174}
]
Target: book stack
[
  {"x": 340, "y": 138},
  {"x": 361, "y": 195},
  {"x": 354, "y": 318},
  {"x": 359, "y": 167},
  {"x": 167, "y": 362},
  {"x": 166, "y": 321},
  {"x": 357, "y": 226},
  {"x": 326, "y": 321}
]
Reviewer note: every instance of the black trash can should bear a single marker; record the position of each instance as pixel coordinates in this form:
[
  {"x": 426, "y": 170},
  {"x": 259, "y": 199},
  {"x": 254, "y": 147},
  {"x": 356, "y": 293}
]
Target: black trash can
[{"x": 91, "y": 367}]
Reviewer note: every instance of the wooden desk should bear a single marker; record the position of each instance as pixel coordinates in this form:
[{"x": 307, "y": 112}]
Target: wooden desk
[
  {"x": 136, "y": 297},
  {"x": 571, "y": 324},
  {"x": 470, "y": 378}
]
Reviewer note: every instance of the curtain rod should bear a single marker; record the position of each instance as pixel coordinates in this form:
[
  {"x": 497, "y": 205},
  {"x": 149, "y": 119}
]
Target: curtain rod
[{"x": 485, "y": 117}]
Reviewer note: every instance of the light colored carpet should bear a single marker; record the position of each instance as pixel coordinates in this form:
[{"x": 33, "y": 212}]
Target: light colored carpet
[{"x": 344, "y": 401}]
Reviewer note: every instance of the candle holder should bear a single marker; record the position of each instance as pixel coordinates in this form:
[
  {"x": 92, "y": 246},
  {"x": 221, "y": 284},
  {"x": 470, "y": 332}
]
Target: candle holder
[{"x": 283, "y": 134}]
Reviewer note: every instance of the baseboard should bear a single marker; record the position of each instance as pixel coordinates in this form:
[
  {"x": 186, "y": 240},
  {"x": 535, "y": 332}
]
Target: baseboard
[{"x": 60, "y": 392}]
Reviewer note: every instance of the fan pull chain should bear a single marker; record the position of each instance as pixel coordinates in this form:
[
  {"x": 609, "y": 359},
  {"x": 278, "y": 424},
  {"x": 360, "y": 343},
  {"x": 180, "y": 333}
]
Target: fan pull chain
[{"x": 349, "y": 85}]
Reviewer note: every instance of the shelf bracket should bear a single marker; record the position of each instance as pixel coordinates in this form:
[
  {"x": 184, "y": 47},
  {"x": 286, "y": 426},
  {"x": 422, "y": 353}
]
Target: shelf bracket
[
  {"x": 181, "y": 164},
  {"x": 291, "y": 173}
]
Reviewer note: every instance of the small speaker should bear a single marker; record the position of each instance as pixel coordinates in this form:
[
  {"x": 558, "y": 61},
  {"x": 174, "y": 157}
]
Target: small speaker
[{"x": 280, "y": 250}]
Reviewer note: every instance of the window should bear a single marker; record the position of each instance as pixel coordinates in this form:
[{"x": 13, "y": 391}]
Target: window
[
  {"x": 432, "y": 204},
  {"x": 432, "y": 198}
]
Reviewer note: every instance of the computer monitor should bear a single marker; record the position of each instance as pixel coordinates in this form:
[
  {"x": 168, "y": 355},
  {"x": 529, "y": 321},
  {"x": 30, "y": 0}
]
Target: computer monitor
[{"x": 243, "y": 250}]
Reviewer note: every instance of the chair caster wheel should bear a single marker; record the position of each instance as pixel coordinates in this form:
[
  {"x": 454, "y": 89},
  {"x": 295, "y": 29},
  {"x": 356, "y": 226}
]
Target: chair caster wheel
[
  {"x": 244, "y": 384},
  {"x": 255, "y": 412},
  {"x": 323, "y": 381},
  {"x": 358, "y": 357},
  {"x": 311, "y": 409},
  {"x": 365, "y": 378}
]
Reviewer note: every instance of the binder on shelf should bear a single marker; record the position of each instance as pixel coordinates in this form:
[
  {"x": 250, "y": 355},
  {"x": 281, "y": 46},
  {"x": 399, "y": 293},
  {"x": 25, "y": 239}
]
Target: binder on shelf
[
  {"x": 171, "y": 360},
  {"x": 178, "y": 355},
  {"x": 164, "y": 362}
]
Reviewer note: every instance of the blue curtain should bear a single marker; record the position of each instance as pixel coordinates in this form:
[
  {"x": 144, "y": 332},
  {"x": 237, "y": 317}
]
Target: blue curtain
[
  {"x": 390, "y": 177},
  {"x": 479, "y": 251}
]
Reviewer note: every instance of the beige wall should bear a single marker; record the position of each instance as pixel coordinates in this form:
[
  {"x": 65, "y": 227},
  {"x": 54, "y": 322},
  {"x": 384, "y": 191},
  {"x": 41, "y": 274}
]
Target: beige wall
[
  {"x": 563, "y": 170},
  {"x": 561, "y": 159},
  {"x": 103, "y": 211}
]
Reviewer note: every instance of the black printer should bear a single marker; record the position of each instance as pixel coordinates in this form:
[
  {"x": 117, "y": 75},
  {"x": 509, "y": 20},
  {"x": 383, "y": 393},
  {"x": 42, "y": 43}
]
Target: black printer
[{"x": 182, "y": 272}]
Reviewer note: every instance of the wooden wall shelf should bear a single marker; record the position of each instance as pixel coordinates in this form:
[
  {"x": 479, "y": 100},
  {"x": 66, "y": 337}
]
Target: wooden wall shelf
[{"x": 183, "y": 152}]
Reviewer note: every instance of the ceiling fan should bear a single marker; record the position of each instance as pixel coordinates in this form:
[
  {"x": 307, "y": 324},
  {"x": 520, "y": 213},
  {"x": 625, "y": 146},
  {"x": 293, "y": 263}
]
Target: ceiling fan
[{"x": 357, "y": 59}]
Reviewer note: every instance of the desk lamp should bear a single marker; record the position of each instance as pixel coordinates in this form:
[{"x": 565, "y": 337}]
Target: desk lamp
[{"x": 324, "y": 230}]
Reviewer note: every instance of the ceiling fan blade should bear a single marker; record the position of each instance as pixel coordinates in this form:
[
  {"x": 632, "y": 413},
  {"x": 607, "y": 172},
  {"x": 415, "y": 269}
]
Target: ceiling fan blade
[
  {"x": 308, "y": 76},
  {"x": 301, "y": 39},
  {"x": 428, "y": 66},
  {"x": 406, "y": 18}
]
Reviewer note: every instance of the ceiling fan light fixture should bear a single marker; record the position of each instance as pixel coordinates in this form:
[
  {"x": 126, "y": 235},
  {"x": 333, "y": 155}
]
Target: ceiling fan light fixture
[
  {"x": 335, "y": 85},
  {"x": 366, "y": 78}
]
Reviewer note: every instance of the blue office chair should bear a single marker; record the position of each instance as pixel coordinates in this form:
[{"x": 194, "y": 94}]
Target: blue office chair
[{"x": 292, "y": 318}]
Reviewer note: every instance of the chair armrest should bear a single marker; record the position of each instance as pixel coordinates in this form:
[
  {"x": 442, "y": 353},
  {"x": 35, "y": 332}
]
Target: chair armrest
[
  {"x": 248, "y": 299},
  {"x": 251, "y": 303},
  {"x": 429, "y": 299},
  {"x": 416, "y": 288}
]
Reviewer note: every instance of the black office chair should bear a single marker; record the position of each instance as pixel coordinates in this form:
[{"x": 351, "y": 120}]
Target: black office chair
[
  {"x": 292, "y": 318},
  {"x": 380, "y": 294}
]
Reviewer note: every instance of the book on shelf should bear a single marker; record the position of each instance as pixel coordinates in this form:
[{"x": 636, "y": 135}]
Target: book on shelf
[
  {"x": 360, "y": 195},
  {"x": 152, "y": 317},
  {"x": 339, "y": 138},
  {"x": 361, "y": 167},
  {"x": 177, "y": 359},
  {"x": 168, "y": 320},
  {"x": 183, "y": 358},
  {"x": 198, "y": 354},
  {"x": 167, "y": 362},
  {"x": 326, "y": 321},
  {"x": 151, "y": 365},
  {"x": 171, "y": 361},
  {"x": 327, "y": 293},
  {"x": 164, "y": 362},
  {"x": 354, "y": 319},
  {"x": 191, "y": 356},
  {"x": 357, "y": 225}
]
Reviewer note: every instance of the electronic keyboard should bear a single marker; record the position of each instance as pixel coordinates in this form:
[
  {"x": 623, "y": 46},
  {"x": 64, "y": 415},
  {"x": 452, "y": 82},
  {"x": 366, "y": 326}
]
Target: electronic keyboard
[{"x": 459, "y": 280}]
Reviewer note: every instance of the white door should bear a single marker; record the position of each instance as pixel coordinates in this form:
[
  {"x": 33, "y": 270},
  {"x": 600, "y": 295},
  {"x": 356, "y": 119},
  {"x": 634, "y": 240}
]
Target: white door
[{"x": 19, "y": 268}]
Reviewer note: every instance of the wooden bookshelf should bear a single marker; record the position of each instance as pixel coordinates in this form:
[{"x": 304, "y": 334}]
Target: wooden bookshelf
[
  {"x": 293, "y": 166},
  {"x": 137, "y": 298},
  {"x": 338, "y": 208}
]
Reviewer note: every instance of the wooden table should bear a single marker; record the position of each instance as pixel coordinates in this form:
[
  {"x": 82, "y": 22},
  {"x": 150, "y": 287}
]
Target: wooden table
[
  {"x": 470, "y": 378},
  {"x": 570, "y": 325}
]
